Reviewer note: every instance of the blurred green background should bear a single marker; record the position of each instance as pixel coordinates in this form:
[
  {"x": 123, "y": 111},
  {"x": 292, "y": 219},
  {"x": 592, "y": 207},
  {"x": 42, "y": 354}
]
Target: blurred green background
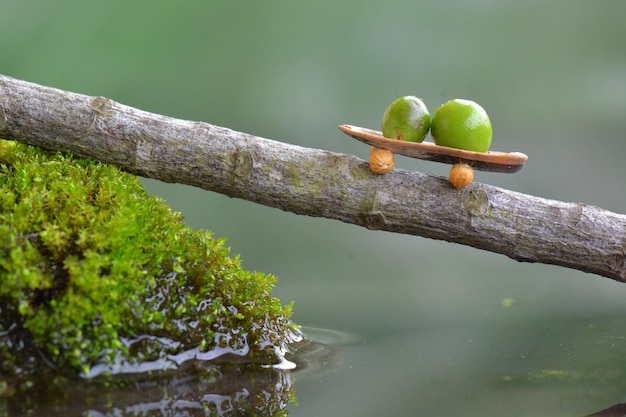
[{"x": 424, "y": 330}]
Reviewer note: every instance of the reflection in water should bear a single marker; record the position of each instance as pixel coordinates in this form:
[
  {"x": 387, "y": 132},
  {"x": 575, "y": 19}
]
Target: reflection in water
[{"x": 199, "y": 389}]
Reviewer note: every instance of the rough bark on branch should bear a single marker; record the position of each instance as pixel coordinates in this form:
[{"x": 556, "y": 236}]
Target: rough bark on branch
[{"x": 314, "y": 182}]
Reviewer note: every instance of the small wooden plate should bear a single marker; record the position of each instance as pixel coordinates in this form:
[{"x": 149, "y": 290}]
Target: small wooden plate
[{"x": 491, "y": 161}]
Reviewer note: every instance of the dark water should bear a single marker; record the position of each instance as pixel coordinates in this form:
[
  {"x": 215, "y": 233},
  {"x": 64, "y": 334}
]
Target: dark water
[
  {"x": 429, "y": 326},
  {"x": 195, "y": 389}
]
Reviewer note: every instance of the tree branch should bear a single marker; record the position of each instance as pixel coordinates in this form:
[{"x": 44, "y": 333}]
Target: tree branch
[{"x": 314, "y": 182}]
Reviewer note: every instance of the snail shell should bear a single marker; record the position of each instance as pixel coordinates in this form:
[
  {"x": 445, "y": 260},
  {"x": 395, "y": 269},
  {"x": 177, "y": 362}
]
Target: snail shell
[
  {"x": 381, "y": 160},
  {"x": 461, "y": 175}
]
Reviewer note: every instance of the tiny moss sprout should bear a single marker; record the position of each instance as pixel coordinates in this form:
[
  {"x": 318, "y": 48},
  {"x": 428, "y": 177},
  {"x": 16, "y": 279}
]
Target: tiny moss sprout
[
  {"x": 507, "y": 302},
  {"x": 98, "y": 276}
]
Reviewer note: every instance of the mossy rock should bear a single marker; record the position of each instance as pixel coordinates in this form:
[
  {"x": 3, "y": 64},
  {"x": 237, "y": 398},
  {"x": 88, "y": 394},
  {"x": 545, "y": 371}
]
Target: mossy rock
[{"x": 97, "y": 277}]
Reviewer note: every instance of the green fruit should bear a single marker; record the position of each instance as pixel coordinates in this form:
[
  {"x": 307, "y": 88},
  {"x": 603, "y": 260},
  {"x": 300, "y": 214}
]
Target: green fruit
[
  {"x": 462, "y": 124},
  {"x": 407, "y": 118}
]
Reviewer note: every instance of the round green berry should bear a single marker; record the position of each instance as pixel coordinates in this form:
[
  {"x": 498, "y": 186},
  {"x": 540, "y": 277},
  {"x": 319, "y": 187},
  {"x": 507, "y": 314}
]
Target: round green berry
[
  {"x": 407, "y": 118},
  {"x": 462, "y": 124}
]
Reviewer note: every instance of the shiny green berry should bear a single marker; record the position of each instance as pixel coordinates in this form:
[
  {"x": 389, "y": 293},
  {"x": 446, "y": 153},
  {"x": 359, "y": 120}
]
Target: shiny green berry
[
  {"x": 407, "y": 118},
  {"x": 461, "y": 124}
]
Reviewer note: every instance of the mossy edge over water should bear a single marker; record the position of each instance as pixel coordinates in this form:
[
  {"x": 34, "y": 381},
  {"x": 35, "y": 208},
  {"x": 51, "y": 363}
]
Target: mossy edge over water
[{"x": 98, "y": 276}]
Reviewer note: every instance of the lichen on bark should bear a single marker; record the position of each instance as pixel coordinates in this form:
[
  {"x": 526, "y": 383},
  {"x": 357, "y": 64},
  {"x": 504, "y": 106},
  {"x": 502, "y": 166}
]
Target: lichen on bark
[{"x": 99, "y": 277}]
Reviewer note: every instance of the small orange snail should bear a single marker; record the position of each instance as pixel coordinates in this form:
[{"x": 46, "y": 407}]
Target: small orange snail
[
  {"x": 461, "y": 175},
  {"x": 381, "y": 160}
]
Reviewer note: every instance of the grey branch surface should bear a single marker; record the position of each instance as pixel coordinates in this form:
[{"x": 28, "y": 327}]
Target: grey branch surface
[{"x": 314, "y": 182}]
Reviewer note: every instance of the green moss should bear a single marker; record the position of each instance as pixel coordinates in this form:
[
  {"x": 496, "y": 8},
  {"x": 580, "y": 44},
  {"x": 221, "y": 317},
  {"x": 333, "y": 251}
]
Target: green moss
[{"x": 98, "y": 276}]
